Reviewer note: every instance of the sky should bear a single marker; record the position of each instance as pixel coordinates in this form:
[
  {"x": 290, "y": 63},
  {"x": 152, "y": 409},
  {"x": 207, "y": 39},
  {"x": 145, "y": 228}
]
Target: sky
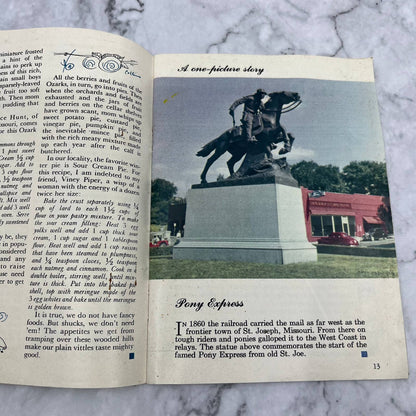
[{"x": 336, "y": 123}]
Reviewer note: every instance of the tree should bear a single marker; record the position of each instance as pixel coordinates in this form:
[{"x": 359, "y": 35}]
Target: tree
[
  {"x": 162, "y": 193},
  {"x": 318, "y": 177},
  {"x": 384, "y": 213},
  {"x": 366, "y": 177}
]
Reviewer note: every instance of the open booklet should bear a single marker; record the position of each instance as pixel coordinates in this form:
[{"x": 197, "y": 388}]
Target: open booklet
[{"x": 247, "y": 291}]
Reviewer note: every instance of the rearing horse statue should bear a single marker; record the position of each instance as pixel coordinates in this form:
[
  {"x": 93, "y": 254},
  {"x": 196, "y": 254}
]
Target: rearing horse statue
[{"x": 271, "y": 133}]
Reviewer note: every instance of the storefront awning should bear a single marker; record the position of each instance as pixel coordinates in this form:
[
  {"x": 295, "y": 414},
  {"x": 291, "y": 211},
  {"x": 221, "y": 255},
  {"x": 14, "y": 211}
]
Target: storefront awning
[{"x": 373, "y": 220}]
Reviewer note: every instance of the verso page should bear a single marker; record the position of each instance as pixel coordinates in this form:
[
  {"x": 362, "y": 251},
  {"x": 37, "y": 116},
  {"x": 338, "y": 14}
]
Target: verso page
[{"x": 75, "y": 137}]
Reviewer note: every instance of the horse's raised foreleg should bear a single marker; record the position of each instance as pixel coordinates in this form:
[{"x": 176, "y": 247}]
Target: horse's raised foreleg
[
  {"x": 288, "y": 140},
  {"x": 291, "y": 139}
]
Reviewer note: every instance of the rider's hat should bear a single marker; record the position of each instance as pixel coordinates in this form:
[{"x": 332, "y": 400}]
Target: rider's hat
[{"x": 261, "y": 91}]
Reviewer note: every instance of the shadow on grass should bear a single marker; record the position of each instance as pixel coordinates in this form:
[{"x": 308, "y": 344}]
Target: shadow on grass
[{"x": 328, "y": 266}]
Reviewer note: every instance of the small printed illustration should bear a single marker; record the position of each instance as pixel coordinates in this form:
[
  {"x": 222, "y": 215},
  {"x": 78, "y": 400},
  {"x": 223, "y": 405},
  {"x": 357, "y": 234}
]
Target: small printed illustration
[
  {"x": 106, "y": 62},
  {"x": 3, "y": 316},
  {"x": 3, "y": 345}
]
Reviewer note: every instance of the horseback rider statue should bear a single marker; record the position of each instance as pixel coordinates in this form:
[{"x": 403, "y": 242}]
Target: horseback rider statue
[
  {"x": 261, "y": 118},
  {"x": 253, "y": 105}
]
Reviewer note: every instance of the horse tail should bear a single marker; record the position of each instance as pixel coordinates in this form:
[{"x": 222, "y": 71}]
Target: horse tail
[{"x": 209, "y": 147}]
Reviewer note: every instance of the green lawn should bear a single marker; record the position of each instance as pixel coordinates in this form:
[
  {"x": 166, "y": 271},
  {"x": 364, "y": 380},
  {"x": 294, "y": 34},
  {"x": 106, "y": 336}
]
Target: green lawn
[{"x": 328, "y": 266}]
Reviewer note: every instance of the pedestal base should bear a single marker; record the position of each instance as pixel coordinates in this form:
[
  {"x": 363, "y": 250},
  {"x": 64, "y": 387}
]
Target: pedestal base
[{"x": 262, "y": 223}]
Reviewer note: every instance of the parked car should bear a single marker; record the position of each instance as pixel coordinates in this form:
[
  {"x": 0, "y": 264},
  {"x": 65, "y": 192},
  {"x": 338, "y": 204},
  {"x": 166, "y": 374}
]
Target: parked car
[
  {"x": 379, "y": 233},
  {"x": 375, "y": 234},
  {"x": 340, "y": 239},
  {"x": 367, "y": 236},
  {"x": 160, "y": 243}
]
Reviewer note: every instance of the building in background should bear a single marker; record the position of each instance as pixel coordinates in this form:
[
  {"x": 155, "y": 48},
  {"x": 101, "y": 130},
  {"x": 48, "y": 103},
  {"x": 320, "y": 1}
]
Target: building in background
[
  {"x": 176, "y": 217},
  {"x": 325, "y": 212},
  {"x": 354, "y": 214}
]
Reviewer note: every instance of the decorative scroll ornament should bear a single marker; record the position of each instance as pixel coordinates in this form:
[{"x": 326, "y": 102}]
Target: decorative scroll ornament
[{"x": 107, "y": 62}]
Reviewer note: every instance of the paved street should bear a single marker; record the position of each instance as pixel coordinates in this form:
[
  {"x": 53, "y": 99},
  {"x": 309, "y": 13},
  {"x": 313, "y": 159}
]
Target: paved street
[{"x": 386, "y": 243}]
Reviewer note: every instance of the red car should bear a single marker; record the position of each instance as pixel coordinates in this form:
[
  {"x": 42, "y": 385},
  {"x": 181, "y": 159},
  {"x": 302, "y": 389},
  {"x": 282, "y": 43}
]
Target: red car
[
  {"x": 340, "y": 239},
  {"x": 160, "y": 243}
]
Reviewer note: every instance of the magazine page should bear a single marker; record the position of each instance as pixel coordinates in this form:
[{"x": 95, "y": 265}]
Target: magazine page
[
  {"x": 269, "y": 190},
  {"x": 75, "y": 137}
]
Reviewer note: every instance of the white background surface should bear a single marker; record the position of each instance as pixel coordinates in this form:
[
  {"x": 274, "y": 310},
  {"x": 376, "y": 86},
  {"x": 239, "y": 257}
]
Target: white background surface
[{"x": 385, "y": 30}]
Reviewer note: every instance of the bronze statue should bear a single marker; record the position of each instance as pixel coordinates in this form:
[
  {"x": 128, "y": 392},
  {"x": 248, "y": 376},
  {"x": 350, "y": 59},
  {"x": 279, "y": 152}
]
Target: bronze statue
[
  {"x": 267, "y": 134},
  {"x": 252, "y": 107}
]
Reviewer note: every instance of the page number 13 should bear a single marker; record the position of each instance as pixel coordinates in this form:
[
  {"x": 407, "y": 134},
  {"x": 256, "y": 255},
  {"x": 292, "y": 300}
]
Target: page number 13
[{"x": 376, "y": 366}]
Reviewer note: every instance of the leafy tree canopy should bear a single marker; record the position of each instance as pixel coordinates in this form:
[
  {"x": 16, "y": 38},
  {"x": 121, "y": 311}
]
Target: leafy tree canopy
[
  {"x": 162, "y": 193},
  {"x": 364, "y": 177},
  {"x": 318, "y": 177}
]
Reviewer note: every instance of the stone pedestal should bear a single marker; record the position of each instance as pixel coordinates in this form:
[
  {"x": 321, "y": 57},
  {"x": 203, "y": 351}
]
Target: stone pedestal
[{"x": 259, "y": 223}]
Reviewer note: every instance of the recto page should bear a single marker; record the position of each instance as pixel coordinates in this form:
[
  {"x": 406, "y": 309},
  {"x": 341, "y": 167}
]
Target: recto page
[
  {"x": 75, "y": 136},
  {"x": 282, "y": 266}
]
